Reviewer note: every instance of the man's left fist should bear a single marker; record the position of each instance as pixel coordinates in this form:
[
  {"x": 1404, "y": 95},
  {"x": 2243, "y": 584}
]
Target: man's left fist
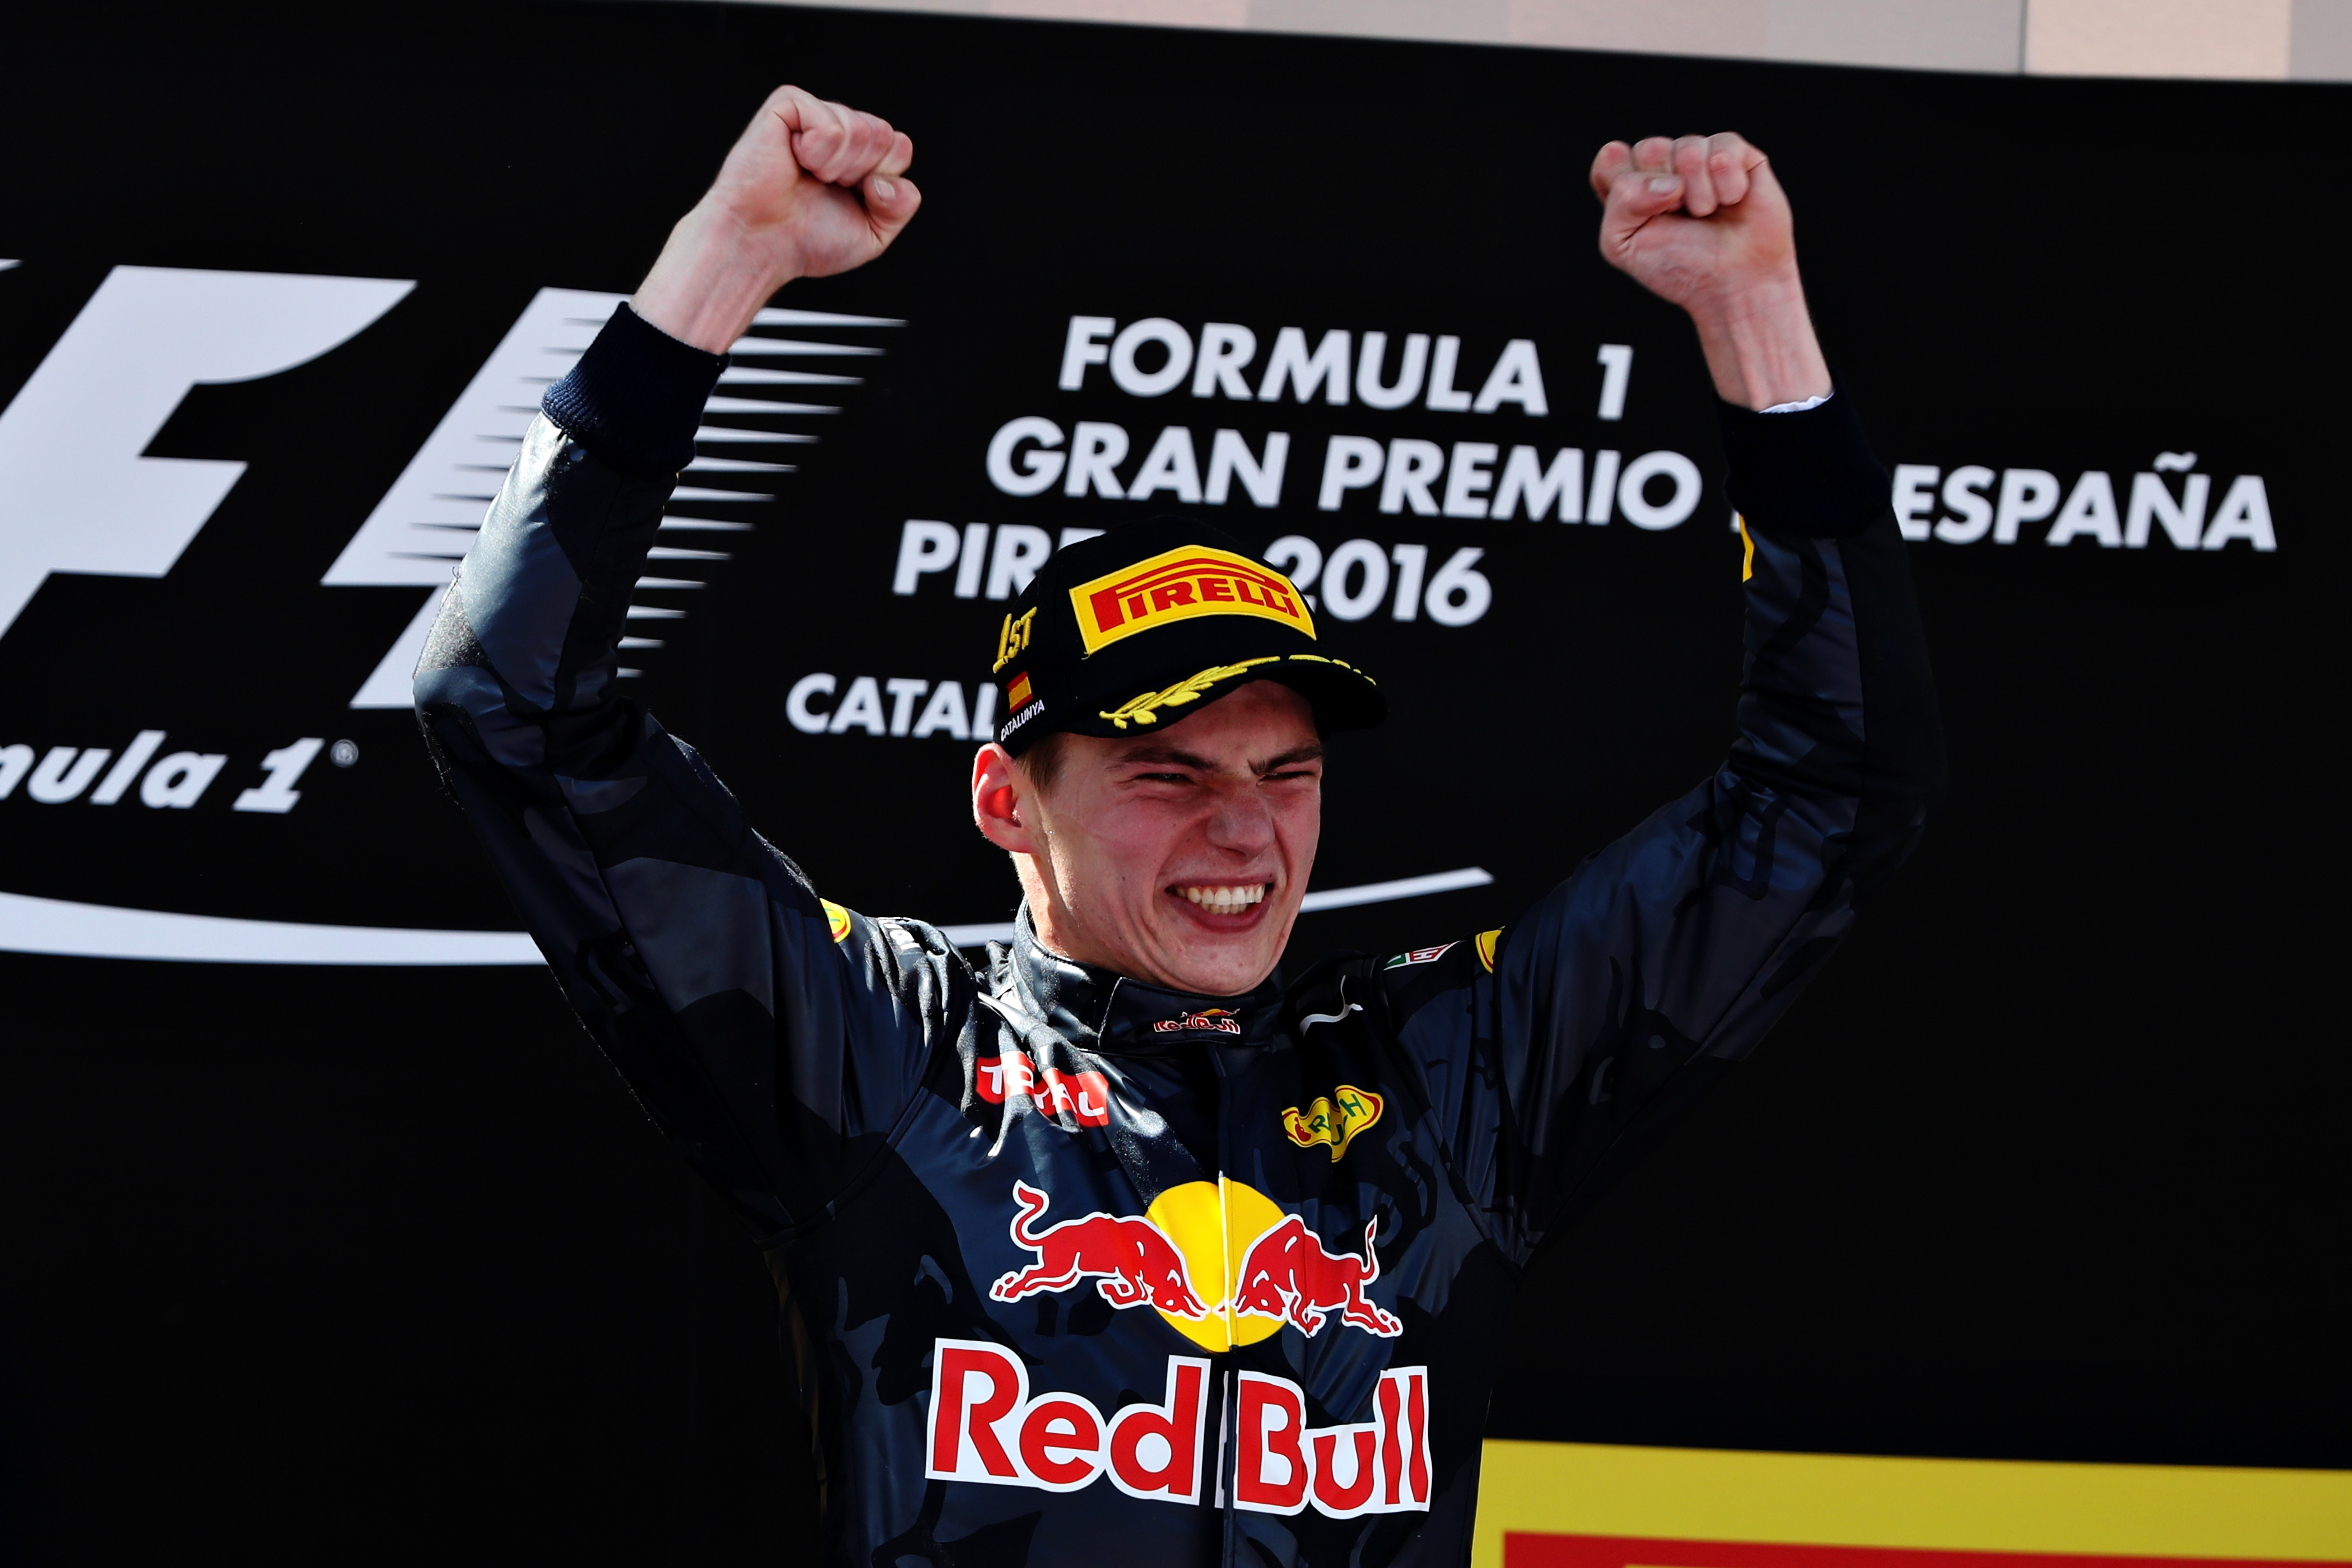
[
  {"x": 820, "y": 185},
  {"x": 1696, "y": 220}
]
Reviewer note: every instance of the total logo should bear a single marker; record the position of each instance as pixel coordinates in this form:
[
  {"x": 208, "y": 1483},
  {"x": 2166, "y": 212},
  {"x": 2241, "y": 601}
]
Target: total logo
[
  {"x": 1085, "y": 1095},
  {"x": 1187, "y": 1238},
  {"x": 987, "y": 1427}
]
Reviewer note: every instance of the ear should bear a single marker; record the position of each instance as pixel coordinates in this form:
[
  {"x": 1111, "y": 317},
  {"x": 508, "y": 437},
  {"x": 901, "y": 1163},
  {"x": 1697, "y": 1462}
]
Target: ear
[{"x": 999, "y": 801}]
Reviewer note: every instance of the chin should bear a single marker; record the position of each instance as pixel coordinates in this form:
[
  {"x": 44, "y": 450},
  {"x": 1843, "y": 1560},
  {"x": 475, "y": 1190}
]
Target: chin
[{"x": 1221, "y": 966}]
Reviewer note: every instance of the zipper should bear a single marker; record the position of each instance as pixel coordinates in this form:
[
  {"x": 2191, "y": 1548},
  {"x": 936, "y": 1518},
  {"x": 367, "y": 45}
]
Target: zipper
[{"x": 1228, "y": 1439}]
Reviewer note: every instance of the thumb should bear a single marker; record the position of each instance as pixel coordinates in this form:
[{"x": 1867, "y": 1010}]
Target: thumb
[
  {"x": 1635, "y": 197},
  {"x": 890, "y": 204}
]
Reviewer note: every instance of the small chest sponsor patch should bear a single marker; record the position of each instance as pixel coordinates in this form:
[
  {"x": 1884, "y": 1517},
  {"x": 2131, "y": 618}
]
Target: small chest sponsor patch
[
  {"x": 1216, "y": 1020},
  {"x": 1334, "y": 1120},
  {"x": 1014, "y": 1076},
  {"x": 837, "y": 919},
  {"x": 1421, "y": 956}
]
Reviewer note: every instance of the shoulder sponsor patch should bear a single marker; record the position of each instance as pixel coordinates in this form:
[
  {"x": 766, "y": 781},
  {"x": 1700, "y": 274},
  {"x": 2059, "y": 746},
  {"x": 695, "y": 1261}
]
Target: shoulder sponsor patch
[
  {"x": 1178, "y": 584},
  {"x": 1421, "y": 956},
  {"x": 1486, "y": 941},
  {"x": 837, "y": 918},
  {"x": 1333, "y": 1119}
]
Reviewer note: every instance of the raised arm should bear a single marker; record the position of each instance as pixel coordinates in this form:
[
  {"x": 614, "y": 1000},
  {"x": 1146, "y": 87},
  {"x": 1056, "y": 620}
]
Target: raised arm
[
  {"x": 764, "y": 1029},
  {"x": 1620, "y": 994}
]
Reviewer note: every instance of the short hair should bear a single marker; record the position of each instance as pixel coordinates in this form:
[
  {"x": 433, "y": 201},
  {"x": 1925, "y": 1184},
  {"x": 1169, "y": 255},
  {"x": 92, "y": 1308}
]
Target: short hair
[{"x": 1043, "y": 761}]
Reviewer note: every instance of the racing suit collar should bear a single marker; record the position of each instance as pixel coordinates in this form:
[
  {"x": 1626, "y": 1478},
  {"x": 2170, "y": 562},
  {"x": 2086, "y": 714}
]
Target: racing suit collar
[{"x": 1098, "y": 1010}]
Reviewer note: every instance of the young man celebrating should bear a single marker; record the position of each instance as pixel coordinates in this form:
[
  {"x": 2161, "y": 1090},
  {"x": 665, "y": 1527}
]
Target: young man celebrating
[{"x": 1118, "y": 1245}]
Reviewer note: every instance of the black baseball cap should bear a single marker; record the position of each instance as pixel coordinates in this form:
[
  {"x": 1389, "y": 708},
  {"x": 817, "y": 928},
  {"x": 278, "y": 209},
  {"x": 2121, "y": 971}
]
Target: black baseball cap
[{"x": 1123, "y": 633}]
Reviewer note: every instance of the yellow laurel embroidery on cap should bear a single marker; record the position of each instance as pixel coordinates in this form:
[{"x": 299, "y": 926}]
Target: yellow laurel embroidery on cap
[
  {"x": 837, "y": 919},
  {"x": 1748, "y": 561},
  {"x": 1013, "y": 637},
  {"x": 1317, "y": 659},
  {"x": 1486, "y": 941},
  {"x": 1144, "y": 709},
  {"x": 1334, "y": 1120}
]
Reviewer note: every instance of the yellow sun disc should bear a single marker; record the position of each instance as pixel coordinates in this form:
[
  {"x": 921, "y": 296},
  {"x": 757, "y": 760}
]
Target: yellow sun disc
[{"x": 1213, "y": 1225}]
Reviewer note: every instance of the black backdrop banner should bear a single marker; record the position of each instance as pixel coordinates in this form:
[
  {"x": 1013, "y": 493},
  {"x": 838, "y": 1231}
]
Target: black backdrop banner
[{"x": 328, "y": 1226}]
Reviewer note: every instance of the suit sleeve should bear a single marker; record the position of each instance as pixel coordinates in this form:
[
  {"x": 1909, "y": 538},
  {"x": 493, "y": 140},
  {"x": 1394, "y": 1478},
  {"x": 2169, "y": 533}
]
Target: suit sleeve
[
  {"x": 1625, "y": 992},
  {"x": 773, "y": 1037}
]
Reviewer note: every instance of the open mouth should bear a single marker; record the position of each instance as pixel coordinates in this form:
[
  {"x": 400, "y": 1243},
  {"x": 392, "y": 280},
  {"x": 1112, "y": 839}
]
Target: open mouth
[{"x": 1228, "y": 901}]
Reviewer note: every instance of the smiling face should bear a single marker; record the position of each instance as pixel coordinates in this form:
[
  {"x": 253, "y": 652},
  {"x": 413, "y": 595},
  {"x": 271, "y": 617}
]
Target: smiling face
[{"x": 1177, "y": 856}]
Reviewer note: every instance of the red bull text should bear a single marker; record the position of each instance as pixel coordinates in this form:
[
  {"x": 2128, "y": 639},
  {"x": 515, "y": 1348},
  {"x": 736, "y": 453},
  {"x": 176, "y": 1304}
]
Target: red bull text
[
  {"x": 985, "y": 1426},
  {"x": 1281, "y": 1465}
]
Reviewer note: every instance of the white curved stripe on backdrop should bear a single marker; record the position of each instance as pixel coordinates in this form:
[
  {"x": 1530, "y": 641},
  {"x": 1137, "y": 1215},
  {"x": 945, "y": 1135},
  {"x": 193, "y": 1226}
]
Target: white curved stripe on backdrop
[
  {"x": 101, "y": 931},
  {"x": 61, "y": 928}
]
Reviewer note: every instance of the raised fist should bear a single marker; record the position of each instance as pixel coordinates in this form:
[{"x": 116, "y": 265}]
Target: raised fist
[
  {"x": 1700, "y": 221},
  {"x": 1693, "y": 219},
  {"x": 811, "y": 188},
  {"x": 821, "y": 181}
]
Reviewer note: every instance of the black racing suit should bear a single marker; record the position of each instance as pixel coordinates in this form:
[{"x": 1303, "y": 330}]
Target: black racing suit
[{"x": 1086, "y": 1266}]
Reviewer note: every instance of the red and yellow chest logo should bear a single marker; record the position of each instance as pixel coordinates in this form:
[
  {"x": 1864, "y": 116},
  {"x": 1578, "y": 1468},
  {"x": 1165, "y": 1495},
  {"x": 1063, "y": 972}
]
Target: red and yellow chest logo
[{"x": 1178, "y": 584}]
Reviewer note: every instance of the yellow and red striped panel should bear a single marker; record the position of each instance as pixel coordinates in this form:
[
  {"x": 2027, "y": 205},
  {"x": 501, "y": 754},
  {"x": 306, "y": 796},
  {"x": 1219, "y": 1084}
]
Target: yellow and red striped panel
[{"x": 1573, "y": 1505}]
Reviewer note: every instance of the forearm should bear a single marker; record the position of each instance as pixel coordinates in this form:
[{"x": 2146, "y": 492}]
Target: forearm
[
  {"x": 1838, "y": 704},
  {"x": 1759, "y": 344},
  {"x": 712, "y": 279}
]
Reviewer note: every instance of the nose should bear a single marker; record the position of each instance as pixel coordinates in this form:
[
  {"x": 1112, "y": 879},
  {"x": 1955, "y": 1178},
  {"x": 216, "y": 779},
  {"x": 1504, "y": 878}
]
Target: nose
[{"x": 1241, "y": 822}]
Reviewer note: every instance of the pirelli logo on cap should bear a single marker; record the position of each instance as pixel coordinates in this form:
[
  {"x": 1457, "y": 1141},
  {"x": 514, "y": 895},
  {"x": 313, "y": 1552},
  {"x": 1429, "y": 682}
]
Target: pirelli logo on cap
[{"x": 1179, "y": 584}]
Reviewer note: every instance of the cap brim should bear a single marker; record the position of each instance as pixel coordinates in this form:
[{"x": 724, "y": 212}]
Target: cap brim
[{"x": 1343, "y": 697}]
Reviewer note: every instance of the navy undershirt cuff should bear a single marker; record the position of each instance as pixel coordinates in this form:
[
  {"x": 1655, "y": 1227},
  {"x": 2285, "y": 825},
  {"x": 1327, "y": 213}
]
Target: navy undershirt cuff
[
  {"x": 635, "y": 397},
  {"x": 1810, "y": 472}
]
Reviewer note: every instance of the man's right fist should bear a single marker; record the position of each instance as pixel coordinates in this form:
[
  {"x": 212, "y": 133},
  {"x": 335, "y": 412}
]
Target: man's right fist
[
  {"x": 1701, "y": 221},
  {"x": 811, "y": 188},
  {"x": 1693, "y": 219}
]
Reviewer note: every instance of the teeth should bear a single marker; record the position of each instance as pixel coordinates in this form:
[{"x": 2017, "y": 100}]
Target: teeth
[{"x": 1225, "y": 901}]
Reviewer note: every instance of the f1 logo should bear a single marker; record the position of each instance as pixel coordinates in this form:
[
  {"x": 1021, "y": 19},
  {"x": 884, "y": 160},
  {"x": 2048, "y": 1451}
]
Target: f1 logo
[{"x": 75, "y": 493}]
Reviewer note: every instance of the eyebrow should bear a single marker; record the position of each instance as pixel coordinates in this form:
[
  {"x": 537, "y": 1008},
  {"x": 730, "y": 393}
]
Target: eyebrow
[{"x": 1148, "y": 752}]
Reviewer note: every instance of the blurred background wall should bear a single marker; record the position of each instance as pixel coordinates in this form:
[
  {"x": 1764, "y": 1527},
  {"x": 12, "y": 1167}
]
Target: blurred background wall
[{"x": 2252, "y": 40}]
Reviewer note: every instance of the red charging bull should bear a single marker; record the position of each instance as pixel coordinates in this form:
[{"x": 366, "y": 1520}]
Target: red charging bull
[
  {"x": 1286, "y": 1274},
  {"x": 1130, "y": 1259}
]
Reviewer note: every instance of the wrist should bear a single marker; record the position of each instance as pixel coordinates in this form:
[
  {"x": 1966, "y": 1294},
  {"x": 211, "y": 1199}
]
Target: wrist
[
  {"x": 711, "y": 278},
  {"x": 1759, "y": 344}
]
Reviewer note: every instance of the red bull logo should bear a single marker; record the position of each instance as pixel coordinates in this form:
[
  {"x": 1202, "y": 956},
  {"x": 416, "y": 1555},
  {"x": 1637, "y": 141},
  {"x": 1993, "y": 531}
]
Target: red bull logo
[
  {"x": 1217, "y": 1020},
  {"x": 1180, "y": 1257},
  {"x": 1130, "y": 1259},
  {"x": 1286, "y": 1274}
]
